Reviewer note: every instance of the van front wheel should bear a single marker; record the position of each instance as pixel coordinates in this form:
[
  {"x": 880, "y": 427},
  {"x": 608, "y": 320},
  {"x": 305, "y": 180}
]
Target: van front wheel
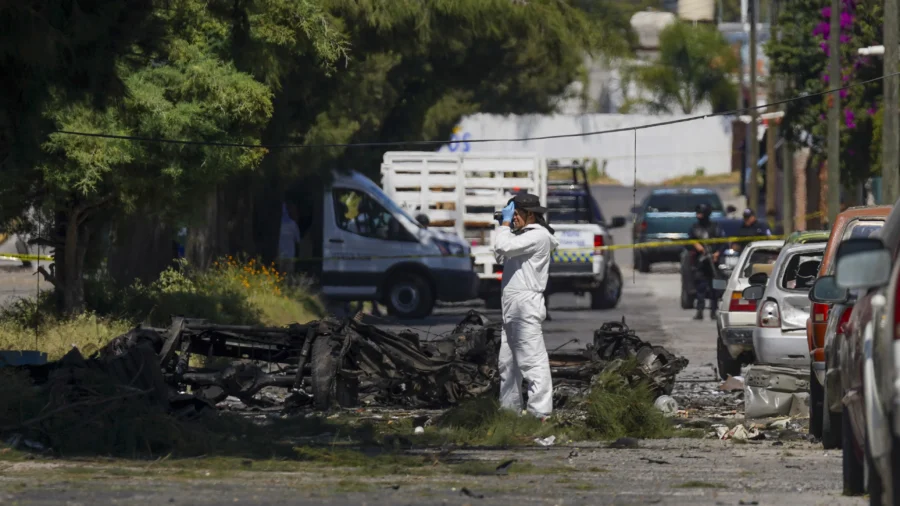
[{"x": 409, "y": 296}]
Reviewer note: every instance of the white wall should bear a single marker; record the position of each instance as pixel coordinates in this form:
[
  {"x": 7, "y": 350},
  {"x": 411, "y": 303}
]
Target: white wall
[{"x": 662, "y": 152}]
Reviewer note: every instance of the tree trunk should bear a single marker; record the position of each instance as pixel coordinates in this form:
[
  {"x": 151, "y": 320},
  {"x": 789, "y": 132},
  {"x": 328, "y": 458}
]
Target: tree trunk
[
  {"x": 73, "y": 260},
  {"x": 141, "y": 250}
]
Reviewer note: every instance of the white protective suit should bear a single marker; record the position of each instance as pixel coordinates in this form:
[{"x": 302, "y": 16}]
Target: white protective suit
[{"x": 526, "y": 261}]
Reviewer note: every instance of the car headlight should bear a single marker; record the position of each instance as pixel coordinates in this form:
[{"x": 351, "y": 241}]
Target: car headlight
[{"x": 450, "y": 248}]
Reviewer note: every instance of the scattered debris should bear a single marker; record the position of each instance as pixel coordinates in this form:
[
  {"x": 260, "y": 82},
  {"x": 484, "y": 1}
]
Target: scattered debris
[
  {"x": 547, "y": 441},
  {"x": 503, "y": 468},
  {"x": 655, "y": 461},
  {"x": 666, "y": 404},
  {"x": 625, "y": 443},
  {"x": 770, "y": 390},
  {"x": 466, "y": 492},
  {"x": 733, "y": 383}
]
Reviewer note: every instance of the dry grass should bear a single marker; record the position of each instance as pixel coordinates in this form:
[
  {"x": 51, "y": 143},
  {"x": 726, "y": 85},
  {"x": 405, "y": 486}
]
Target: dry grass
[{"x": 87, "y": 332}]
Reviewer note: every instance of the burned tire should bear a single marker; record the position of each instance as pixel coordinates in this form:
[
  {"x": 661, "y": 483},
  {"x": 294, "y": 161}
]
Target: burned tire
[
  {"x": 610, "y": 291},
  {"x": 853, "y": 469},
  {"x": 816, "y": 403},
  {"x": 728, "y": 366},
  {"x": 409, "y": 296}
]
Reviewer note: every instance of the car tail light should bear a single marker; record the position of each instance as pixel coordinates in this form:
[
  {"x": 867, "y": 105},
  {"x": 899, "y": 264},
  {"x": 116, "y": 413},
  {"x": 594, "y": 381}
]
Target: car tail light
[
  {"x": 768, "y": 315},
  {"x": 845, "y": 317},
  {"x": 820, "y": 313},
  {"x": 643, "y": 226},
  {"x": 598, "y": 241},
  {"x": 739, "y": 304}
]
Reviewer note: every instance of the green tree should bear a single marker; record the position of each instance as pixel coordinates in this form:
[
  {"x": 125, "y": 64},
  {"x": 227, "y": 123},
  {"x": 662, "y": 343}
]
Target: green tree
[
  {"x": 800, "y": 54},
  {"x": 695, "y": 66}
]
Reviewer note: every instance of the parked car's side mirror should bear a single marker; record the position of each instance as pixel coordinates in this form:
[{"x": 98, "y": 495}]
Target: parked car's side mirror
[
  {"x": 863, "y": 269},
  {"x": 635, "y": 209},
  {"x": 858, "y": 245},
  {"x": 423, "y": 220},
  {"x": 730, "y": 209},
  {"x": 754, "y": 292},
  {"x": 760, "y": 278},
  {"x": 617, "y": 222},
  {"x": 720, "y": 284},
  {"x": 825, "y": 290}
]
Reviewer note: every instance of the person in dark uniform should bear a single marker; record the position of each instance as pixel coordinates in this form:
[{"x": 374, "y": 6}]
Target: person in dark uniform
[
  {"x": 752, "y": 227},
  {"x": 704, "y": 258}
]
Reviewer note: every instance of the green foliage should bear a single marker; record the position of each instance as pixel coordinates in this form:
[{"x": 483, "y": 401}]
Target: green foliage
[
  {"x": 799, "y": 55},
  {"x": 695, "y": 65},
  {"x": 617, "y": 409}
]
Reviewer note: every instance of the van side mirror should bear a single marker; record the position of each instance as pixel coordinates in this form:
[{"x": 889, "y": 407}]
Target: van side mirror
[
  {"x": 826, "y": 291},
  {"x": 760, "y": 278},
  {"x": 617, "y": 222},
  {"x": 754, "y": 292},
  {"x": 730, "y": 209},
  {"x": 635, "y": 209},
  {"x": 423, "y": 220}
]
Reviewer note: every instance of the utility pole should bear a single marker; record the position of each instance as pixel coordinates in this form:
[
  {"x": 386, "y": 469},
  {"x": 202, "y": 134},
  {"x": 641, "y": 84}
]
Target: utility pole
[
  {"x": 771, "y": 137},
  {"x": 753, "y": 192},
  {"x": 890, "y": 130},
  {"x": 834, "y": 114}
]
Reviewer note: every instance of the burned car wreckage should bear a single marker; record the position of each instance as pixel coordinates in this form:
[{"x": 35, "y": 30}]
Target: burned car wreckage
[{"x": 331, "y": 363}]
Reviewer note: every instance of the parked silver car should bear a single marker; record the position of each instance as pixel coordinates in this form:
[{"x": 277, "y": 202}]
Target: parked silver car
[
  {"x": 783, "y": 306},
  {"x": 736, "y": 318}
]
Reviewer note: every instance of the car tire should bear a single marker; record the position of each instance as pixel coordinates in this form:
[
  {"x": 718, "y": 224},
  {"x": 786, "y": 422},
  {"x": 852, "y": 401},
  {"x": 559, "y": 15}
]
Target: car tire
[
  {"x": 641, "y": 262},
  {"x": 816, "y": 403},
  {"x": 728, "y": 366},
  {"x": 409, "y": 296},
  {"x": 875, "y": 485},
  {"x": 853, "y": 470},
  {"x": 610, "y": 291},
  {"x": 831, "y": 438},
  {"x": 687, "y": 299}
]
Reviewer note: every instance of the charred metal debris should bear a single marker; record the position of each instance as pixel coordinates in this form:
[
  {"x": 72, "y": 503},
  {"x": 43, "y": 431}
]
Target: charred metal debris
[{"x": 331, "y": 363}]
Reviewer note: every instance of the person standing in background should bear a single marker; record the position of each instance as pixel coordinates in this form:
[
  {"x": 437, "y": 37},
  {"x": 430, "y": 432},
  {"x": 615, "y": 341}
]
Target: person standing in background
[{"x": 288, "y": 241}]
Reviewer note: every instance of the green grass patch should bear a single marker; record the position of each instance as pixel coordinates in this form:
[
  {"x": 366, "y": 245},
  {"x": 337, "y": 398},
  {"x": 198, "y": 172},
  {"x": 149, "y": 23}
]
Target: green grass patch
[
  {"x": 616, "y": 408},
  {"x": 699, "y": 484}
]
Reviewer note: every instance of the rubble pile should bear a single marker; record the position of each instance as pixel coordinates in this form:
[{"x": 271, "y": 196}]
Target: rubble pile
[{"x": 330, "y": 363}]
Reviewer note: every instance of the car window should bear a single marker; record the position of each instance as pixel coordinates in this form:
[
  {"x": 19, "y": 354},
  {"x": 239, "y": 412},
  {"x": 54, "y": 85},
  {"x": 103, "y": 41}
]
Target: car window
[
  {"x": 682, "y": 202},
  {"x": 360, "y": 214},
  {"x": 801, "y": 271},
  {"x": 862, "y": 228},
  {"x": 759, "y": 256}
]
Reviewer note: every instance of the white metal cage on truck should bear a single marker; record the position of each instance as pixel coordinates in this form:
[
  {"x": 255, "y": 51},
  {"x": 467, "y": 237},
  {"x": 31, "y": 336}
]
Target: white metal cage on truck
[{"x": 460, "y": 192}]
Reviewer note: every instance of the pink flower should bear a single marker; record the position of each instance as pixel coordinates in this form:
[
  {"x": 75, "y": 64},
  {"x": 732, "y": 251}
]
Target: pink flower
[
  {"x": 843, "y": 93},
  {"x": 826, "y": 12},
  {"x": 846, "y": 20},
  {"x": 825, "y": 77},
  {"x": 821, "y": 29},
  {"x": 848, "y": 118},
  {"x": 844, "y": 38},
  {"x": 871, "y": 111}
]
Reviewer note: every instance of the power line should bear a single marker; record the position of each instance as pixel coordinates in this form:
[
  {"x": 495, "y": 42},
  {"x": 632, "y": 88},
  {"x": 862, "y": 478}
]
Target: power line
[{"x": 733, "y": 112}]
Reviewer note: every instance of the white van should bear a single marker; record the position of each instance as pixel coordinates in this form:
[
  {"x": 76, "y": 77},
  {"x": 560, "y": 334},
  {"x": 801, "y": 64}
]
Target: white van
[{"x": 374, "y": 250}]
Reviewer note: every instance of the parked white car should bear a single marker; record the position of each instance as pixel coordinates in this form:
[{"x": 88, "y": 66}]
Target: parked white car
[
  {"x": 736, "y": 318},
  {"x": 783, "y": 306}
]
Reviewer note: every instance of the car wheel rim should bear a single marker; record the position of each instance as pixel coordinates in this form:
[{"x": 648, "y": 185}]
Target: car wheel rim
[{"x": 405, "y": 298}]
